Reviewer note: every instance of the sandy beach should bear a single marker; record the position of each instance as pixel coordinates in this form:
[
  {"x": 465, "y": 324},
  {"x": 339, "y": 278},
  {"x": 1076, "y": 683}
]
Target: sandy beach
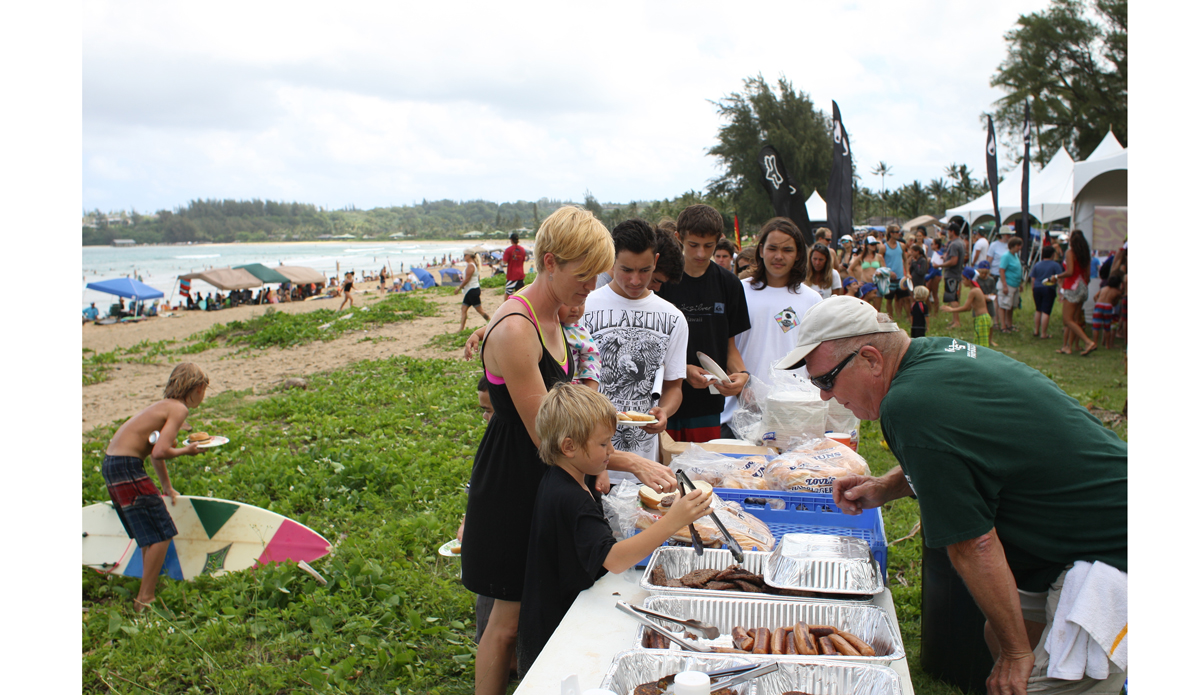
[{"x": 133, "y": 386}]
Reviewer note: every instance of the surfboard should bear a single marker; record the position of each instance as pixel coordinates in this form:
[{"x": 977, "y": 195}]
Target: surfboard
[{"x": 216, "y": 536}]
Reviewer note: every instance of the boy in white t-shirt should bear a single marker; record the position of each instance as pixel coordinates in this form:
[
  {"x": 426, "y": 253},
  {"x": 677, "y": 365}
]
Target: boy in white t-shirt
[{"x": 641, "y": 337}]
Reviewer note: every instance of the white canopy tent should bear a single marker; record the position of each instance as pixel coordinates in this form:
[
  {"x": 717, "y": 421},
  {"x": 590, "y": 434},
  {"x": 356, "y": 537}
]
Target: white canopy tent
[
  {"x": 817, "y": 212},
  {"x": 1101, "y": 180},
  {"x": 1050, "y": 191},
  {"x": 1100, "y": 201},
  {"x": 1008, "y": 192}
]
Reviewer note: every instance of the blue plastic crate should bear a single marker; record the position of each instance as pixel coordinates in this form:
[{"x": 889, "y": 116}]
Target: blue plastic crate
[{"x": 807, "y": 512}]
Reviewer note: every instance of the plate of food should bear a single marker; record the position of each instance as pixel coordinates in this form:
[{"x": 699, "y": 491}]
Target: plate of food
[
  {"x": 204, "y": 440},
  {"x": 451, "y": 548},
  {"x": 633, "y": 418}
]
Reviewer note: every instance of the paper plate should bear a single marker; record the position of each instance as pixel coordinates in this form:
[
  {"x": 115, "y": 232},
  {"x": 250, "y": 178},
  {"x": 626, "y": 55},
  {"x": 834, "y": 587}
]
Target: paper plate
[
  {"x": 215, "y": 441},
  {"x": 711, "y": 367},
  {"x": 447, "y": 549},
  {"x": 636, "y": 423}
]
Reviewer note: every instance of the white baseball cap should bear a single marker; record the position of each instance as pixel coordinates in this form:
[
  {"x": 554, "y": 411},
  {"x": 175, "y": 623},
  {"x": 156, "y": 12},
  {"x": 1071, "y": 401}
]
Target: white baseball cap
[
  {"x": 840, "y": 316},
  {"x": 871, "y": 240}
]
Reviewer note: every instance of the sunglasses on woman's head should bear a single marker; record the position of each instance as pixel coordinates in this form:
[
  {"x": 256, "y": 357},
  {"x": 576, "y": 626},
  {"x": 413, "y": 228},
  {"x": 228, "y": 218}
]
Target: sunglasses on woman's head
[{"x": 825, "y": 381}]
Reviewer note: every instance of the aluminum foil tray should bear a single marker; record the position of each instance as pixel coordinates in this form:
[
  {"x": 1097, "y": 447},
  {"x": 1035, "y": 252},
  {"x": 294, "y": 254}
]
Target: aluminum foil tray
[
  {"x": 677, "y": 562},
  {"x": 829, "y": 678},
  {"x": 631, "y": 668},
  {"x": 868, "y": 622},
  {"x": 830, "y": 564}
]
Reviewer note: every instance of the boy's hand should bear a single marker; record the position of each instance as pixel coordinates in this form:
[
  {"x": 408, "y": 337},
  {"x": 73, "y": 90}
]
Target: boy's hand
[
  {"x": 697, "y": 378},
  {"x": 657, "y": 413},
  {"x": 692, "y": 506},
  {"x": 192, "y": 448},
  {"x": 734, "y": 386},
  {"x": 603, "y": 484},
  {"x": 461, "y": 524},
  {"x": 170, "y": 492},
  {"x": 943, "y": 308}
]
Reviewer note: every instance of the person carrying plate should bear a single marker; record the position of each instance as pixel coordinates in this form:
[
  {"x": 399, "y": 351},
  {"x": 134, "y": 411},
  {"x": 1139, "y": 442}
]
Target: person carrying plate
[{"x": 137, "y": 501}]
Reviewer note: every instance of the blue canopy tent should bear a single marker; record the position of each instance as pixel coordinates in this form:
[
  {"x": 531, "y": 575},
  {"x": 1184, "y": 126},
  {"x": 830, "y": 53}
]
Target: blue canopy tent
[
  {"x": 426, "y": 279},
  {"x": 451, "y": 276},
  {"x": 126, "y": 287}
]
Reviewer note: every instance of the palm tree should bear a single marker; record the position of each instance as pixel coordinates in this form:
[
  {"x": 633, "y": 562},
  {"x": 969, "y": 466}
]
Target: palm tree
[
  {"x": 881, "y": 170},
  {"x": 938, "y": 191}
]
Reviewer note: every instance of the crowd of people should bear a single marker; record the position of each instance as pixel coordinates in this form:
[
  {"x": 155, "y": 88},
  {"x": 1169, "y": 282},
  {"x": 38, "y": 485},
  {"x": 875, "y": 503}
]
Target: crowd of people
[
  {"x": 624, "y": 314},
  {"x": 617, "y": 320}
]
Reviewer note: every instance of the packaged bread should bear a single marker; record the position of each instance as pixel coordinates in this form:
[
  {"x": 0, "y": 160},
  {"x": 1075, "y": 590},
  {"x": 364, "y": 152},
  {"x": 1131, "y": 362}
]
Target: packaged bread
[
  {"x": 750, "y": 532},
  {"x": 813, "y": 466}
]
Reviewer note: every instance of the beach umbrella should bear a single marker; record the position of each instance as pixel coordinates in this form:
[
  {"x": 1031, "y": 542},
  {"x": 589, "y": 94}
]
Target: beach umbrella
[
  {"x": 226, "y": 278},
  {"x": 126, "y": 287},
  {"x": 302, "y": 275},
  {"x": 423, "y": 275},
  {"x": 263, "y": 273}
]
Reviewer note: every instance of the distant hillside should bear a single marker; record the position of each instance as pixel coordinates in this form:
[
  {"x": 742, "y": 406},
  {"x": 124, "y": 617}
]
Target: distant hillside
[{"x": 259, "y": 220}]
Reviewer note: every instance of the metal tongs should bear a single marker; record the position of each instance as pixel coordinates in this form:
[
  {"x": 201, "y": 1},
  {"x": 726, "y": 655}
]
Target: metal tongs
[
  {"x": 686, "y": 486},
  {"x": 743, "y": 677},
  {"x": 709, "y": 631},
  {"x": 687, "y": 644}
]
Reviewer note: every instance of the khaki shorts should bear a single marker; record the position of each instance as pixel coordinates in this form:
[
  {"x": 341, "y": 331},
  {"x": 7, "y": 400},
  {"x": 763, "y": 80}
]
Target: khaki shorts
[
  {"x": 1040, "y": 608},
  {"x": 1006, "y": 297}
]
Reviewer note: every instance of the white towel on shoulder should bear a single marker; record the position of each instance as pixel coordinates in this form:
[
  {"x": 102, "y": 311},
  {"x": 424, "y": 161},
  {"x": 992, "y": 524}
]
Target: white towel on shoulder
[{"x": 1090, "y": 624}]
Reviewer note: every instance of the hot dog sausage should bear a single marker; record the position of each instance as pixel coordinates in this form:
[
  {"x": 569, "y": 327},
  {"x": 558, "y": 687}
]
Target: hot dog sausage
[{"x": 862, "y": 647}]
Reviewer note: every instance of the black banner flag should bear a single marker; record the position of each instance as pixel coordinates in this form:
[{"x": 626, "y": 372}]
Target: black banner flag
[
  {"x": 993, "y": 175},
  {"x": 839, "y": 196},
  {"x": 786, "y": 198},
  {"x": 1023, "y": 232}
]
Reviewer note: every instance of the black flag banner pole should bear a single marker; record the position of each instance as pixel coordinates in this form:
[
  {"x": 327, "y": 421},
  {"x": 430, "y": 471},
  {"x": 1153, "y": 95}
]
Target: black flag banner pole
[
  {"x": 993, "y": 175},
  {"x": 786, "y": 198},
  {"x": 839, "y": 196},
  {"x": 1026, "y": 133}
]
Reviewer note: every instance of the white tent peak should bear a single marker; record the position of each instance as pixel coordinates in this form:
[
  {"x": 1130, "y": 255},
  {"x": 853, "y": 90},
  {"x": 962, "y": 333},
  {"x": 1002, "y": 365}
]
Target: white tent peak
[
  {"x": 1108, "y": 147},
  {"x": 815, "y": 205}
]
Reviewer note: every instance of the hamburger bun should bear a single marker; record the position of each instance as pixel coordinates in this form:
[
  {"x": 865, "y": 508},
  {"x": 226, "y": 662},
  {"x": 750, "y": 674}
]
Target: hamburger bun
[
  {"x": 623, "y": 417},
  {"x": 198, "y": 437},
  {"x": 637, "y": 417},
  {"x": 662, "y": 501}
]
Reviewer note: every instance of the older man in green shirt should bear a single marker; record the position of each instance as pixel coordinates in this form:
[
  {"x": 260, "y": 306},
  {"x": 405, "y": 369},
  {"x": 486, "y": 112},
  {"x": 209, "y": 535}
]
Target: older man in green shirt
[{"x": 1016, "y": 501}]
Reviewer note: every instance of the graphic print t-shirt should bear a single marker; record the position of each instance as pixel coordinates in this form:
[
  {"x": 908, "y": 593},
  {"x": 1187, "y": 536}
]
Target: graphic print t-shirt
[
  {"x": 715, "y": 307},
  {"x": 636, "y": 339}
]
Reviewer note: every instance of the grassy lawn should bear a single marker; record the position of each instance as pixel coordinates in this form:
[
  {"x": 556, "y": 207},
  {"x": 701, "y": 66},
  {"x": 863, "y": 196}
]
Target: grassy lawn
[{"x": 374, "y": 456}]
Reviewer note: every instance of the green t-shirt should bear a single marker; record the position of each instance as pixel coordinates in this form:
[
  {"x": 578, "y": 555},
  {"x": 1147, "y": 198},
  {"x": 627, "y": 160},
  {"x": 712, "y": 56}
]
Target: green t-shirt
[{"x": 988, "y": 442}]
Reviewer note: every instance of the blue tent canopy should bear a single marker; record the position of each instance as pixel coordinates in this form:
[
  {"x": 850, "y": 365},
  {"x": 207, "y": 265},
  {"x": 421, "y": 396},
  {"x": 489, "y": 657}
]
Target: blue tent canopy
[
  {"x": 451, "y": 274},
  {"x": 426, "y": 279},
  {"x": 126, "y": 287}
]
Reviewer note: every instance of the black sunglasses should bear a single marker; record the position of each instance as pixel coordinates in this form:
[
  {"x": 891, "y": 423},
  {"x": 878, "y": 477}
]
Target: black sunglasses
[{"x": 825, "y": 381}]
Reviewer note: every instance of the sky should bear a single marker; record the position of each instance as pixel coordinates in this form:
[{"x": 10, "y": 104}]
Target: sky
[{"x": 379, "y": 104}]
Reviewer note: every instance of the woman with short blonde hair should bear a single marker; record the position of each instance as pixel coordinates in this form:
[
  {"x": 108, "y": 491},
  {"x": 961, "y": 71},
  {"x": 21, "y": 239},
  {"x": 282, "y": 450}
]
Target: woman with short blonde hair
[{"x": 528, "y": 355}]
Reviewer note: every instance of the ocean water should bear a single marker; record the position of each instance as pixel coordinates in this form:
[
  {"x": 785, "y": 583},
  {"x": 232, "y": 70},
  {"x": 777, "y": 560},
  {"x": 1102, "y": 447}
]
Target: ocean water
[{"x": 160, "y": 266}]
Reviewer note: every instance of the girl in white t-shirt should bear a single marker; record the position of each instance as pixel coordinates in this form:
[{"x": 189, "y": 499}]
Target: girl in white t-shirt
[
  {"x": 822, "y": 277},
  {"x": 776, "y": 301}
]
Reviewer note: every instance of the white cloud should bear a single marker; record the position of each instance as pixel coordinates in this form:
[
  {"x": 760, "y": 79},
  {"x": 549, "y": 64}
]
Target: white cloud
[{"x": 385, "y": 104}]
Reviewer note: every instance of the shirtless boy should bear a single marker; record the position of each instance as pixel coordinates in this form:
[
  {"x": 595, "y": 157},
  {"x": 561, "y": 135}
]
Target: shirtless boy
[
  {"x": 138, "y": 502},
  {"x": 977, "y": 304}
]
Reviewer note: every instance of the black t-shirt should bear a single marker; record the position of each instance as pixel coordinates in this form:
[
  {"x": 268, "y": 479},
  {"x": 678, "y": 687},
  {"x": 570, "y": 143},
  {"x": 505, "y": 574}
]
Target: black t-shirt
[
  {"x": 715, "y": 307},
  {"x": 568, "y": 543},
  {"x": 918, "y": 316}
]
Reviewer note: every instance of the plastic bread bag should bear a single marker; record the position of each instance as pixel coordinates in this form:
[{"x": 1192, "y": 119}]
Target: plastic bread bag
[
  {"x": 750, "y": 532},
  {"x": 622, "y": 507},
  {"x": 838, "y": 418},
  {"x": 794, "y": 409},
  {"x": 811, "y": 465},
  {"x": 720, "y": 470},
  {"x": 746, "y": 421}
]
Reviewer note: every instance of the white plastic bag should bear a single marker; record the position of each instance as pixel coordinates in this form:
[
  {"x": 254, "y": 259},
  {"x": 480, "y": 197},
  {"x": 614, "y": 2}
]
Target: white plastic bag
[{"x": 794, "y": 408}]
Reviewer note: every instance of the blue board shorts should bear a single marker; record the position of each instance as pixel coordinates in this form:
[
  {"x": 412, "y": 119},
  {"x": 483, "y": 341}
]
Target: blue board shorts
[{"x": 137, "y": 501}]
